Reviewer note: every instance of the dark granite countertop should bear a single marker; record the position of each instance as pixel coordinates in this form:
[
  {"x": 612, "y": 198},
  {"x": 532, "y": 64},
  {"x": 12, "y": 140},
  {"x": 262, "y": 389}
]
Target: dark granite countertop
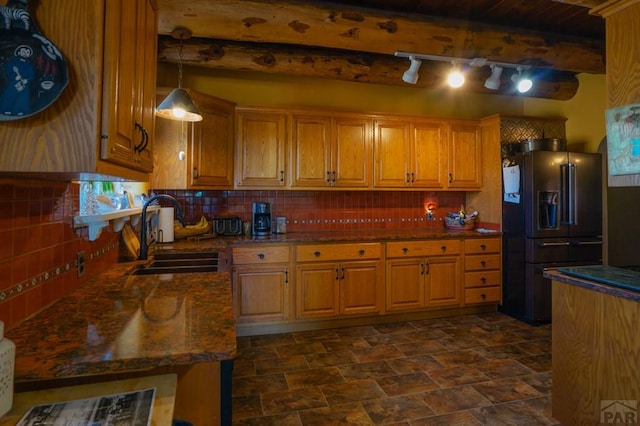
[
  {"x": 118, "y": 322},
  {"x": 604, "y": 279},
  {"x": 341, "y": 236}
]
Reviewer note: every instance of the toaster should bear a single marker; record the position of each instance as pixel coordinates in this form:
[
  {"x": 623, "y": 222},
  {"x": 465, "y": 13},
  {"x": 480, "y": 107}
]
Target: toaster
[{"x": 227, "y": 225}]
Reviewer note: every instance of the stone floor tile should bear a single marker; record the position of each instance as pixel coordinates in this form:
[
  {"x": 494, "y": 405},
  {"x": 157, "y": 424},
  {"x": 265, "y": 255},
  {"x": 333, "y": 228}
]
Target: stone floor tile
[
  {"x": 252, "y": 385},
  {"x": 336, "y": 415},
  {"x": 377, "y": 353},
  {"x": 416, "y": 363},
  {"x": 284, "y": 419},
  {"x": 514, "y": 413},
  {"x": 444, "y": 401},
  {"x": 457, "y": 376},
  {"x": 397, "y": 409},
  {"x": 421, "y": 347},
  {"x": 313, "y": 377},
  {"x": 300, "y": 349},
  {"x": 537, "y": 363},
  {"x": 280, "y": 365},
  {"x": 461, "y": 418},
  {"x": 352, "y": 391},
  {"x": 499, "y": 368},
  {"x": 504, "y": 390},
  {"x": 459, "y": 358},
  {"x": 293, "y": 400},
  {"x": 407, "y": 384},
  {"x": 331, "y": 358},
  {"x": 367, "y": 370}
]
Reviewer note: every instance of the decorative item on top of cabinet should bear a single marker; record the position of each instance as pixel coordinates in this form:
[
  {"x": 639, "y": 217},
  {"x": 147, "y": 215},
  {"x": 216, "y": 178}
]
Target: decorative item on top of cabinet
[
  {"x": 112, "y": 52},
  {"x": 198, "y": 154},
  {"x": 261, "y": 147},
  {"x": 260, "y": 276},
  {"x": 339, "y": 279},
  {"x": 410, "y": 153},
  {"x": 483, "y": 273},
  {"x": 331, "y": 150},
  {"x": 423, "y": 274},
  {"x": 128, "y": 104}
]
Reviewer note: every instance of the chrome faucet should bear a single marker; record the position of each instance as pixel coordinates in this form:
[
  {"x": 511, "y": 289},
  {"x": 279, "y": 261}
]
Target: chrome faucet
[{"x": 143, "y": 219}]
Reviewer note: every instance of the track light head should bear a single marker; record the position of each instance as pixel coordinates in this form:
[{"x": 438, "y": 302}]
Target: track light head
[
  {"x": 493, "y": 82},
  {"x": 411, "y": 75},
  {"x": 523, "y": 83},
  {"x": 455, "y": 78}
]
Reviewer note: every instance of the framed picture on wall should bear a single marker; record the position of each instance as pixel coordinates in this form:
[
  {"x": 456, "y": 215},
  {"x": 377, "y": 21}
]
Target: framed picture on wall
[{"x": 623, "y": 139}]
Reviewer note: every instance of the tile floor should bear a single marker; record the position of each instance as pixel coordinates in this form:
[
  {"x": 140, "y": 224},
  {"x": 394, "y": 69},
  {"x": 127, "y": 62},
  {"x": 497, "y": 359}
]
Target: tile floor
[{"x": 485, "y": 369}]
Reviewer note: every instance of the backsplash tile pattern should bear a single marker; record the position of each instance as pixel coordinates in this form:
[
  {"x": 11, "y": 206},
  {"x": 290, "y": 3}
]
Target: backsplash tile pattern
[
  {"x": 38, "y": 246},
  {"x": 324, "y": 210}
]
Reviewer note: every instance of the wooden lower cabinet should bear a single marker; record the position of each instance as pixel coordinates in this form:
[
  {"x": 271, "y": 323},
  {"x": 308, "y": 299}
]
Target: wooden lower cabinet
[
  {"x": 483, "y": 273},
  {"x": 330, "y": 284},
  {"x": 260, "y": 277},
  {"x": 415, "y": 281}
]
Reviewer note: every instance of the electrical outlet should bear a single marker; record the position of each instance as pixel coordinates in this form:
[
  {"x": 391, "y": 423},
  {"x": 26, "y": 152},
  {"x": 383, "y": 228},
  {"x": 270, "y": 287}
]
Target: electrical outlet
[{"x": 80, "y": 262}]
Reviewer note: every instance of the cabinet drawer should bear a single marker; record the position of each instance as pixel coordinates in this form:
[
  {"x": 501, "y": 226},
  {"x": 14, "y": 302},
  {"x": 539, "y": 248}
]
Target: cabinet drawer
[
  {"x": 481, "y": 262},
  {"x": 482, "y": 279},
  {"x": 324, "y": 252},
  {"x": 482, "y": 295},
  {"x": 482, "y": 245},
  {"x": 259, "y": 254},
  {"x": 423, "y": 248}
]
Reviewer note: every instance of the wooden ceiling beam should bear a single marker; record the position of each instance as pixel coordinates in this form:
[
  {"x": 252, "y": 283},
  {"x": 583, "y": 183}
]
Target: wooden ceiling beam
[
  {"x": 346, "y": 66},
  {"x": 363, "y": 30},
  {"x": 584, "y": 3}
]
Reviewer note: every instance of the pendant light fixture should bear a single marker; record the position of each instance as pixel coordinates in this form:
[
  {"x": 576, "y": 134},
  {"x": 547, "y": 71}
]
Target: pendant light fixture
[{"x": 178, "y": 104}]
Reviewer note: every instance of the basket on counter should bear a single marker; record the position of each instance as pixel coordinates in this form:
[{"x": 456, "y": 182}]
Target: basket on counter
[{"x": 454, "y": 223}]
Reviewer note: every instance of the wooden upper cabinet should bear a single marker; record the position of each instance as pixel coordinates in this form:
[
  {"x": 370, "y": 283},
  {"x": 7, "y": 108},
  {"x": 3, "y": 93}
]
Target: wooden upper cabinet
[
  {"x": 429, "y": 159},
  {"x": 195, "y": 155},
  {"x": 410, "y": 154},
  {"x": 128, "y": 104},
  {"x": 91, "y": 128},
  {"x": 330, "y": 151},
  {"x": 391, "y": 151},
  {"x": 465, "y": 156},
  {"x": 261, "y": 137}
]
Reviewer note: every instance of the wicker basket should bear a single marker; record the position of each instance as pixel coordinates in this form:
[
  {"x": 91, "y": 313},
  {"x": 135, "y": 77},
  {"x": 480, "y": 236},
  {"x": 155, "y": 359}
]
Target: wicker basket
[{"x": 454, "y": 223}]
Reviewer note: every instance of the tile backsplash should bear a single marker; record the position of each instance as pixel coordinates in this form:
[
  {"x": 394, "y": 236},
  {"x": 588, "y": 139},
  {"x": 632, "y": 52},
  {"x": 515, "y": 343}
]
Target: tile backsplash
[
  {"x": 38, "y": 246},
  {"x": 324, "y": 210}
]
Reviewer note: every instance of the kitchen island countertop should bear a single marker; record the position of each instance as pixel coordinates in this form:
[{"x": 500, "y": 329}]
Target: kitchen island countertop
[{"x": 600, "y": 278}]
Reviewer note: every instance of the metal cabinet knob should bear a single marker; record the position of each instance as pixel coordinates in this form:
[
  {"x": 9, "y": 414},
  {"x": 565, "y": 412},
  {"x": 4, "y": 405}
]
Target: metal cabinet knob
[
  {"x": 316, "y": 253},
  {"x": 361, "y": 252},
  {"x": 261, "y": 256}
]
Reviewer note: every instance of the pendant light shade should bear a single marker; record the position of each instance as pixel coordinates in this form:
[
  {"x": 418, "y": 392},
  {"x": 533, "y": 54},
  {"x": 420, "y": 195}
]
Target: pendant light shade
[{"x": 178, "y": 104}]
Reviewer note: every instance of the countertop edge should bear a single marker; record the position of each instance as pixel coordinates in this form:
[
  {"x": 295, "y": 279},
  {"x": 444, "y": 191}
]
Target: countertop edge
[{"x": 556, "y": 275}]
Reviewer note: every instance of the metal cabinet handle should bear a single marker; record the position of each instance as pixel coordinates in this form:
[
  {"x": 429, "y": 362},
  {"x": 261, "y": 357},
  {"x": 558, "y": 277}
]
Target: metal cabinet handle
[
  {"x": 483, "y": 296},
  {"x": 405, "y": 250},
  {"x": 426, "y": 267},
  {"x": 422, "y": 269},
  {"x": 450, "y": 178},
  {"x": 316, "y": 253},
  {"x": 408, "y": 180},
  {"x": 413, "y": 177},
  {"x": 342, "y": 277},
  {"x": 328, "y": 176},
  {"x": 145, "y": 139},
  {"x": 483, "y": 263},
  {"x": 337, "y": 274},
  {"x": 281, "y": 175},
  {"x": 483, "y": 280},
  {"x": 443, "y": 248},
  {"x": 261, "y": 256},
  {"x": 139, "y": 147},
  {"x": 333, "y": 173},
  {"x": 286, "y": 276},
  {"x": 361, "y": 252},
  {"x": 483, "y": 247},
  {"x": 195, "y": 173}
]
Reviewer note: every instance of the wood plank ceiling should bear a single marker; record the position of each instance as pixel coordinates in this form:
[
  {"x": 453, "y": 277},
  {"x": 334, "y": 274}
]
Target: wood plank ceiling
[{"x": 355, "y": 40}]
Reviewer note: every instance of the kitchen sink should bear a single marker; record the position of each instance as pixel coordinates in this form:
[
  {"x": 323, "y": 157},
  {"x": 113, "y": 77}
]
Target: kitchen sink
[{"x": 180, "y": 263}]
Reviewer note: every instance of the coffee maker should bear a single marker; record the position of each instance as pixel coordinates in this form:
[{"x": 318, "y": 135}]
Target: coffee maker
[{"x": 261, "y": 215}]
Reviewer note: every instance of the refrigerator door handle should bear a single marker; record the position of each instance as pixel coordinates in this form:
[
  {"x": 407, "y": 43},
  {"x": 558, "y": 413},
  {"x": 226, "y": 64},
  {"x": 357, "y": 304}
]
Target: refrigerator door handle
[
  {"x": 564, "y": 194},
  {"x": 553, "y": 244},
  {"x": 587, "y": 243},
  {"x": 573, "y": 206}
]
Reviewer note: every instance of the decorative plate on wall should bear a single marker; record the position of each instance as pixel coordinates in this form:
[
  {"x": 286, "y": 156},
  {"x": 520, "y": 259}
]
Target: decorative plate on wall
[{"x": 33, "y": 72}]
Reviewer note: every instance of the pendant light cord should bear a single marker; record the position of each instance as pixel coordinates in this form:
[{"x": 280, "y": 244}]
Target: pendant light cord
[{"x": 180, "y": 65}]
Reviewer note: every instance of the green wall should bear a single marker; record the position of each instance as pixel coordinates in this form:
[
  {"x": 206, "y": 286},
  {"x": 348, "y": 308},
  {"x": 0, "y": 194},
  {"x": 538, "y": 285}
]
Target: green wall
[{"x": 585, "y": 111}]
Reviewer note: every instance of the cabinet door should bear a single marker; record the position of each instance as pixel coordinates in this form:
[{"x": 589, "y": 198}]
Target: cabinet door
[
  {"x": 260, "y": 155},
  {"x": 391, "y": 153},
  {"x": 443, "y": 281},
  {"x": 317, "y": 290},
  {"x": 351, "y": 153},
  {"x": 429, "y": 160},
  {"x": 465, "y": 156},
  {"x": 129, "y": 70},
  {"x": 360, "y": 288},
  {"x": 211, "y": 156},
  {"x": 311, "y": 151},
  {"x": 261, "y": 293},
  {"x": 405, "y": 284}
]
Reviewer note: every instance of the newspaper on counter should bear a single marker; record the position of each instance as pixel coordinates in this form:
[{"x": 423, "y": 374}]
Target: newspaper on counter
[{"x": 123, "y": 409}]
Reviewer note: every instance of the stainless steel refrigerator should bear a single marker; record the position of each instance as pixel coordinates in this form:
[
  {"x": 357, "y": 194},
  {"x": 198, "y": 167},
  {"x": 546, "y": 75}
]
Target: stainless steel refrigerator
[{"x": 556, "y": 221}]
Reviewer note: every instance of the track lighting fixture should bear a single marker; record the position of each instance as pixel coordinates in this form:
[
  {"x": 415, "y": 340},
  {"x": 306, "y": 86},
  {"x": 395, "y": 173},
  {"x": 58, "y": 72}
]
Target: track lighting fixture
[
  {"x": 493, "y": 82},
  {"x": 456, "y": 78},
  {"x": 411, "y": 75},
  {"x": 523, "y": 83},
  {"x": 178, "y": 104}
]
